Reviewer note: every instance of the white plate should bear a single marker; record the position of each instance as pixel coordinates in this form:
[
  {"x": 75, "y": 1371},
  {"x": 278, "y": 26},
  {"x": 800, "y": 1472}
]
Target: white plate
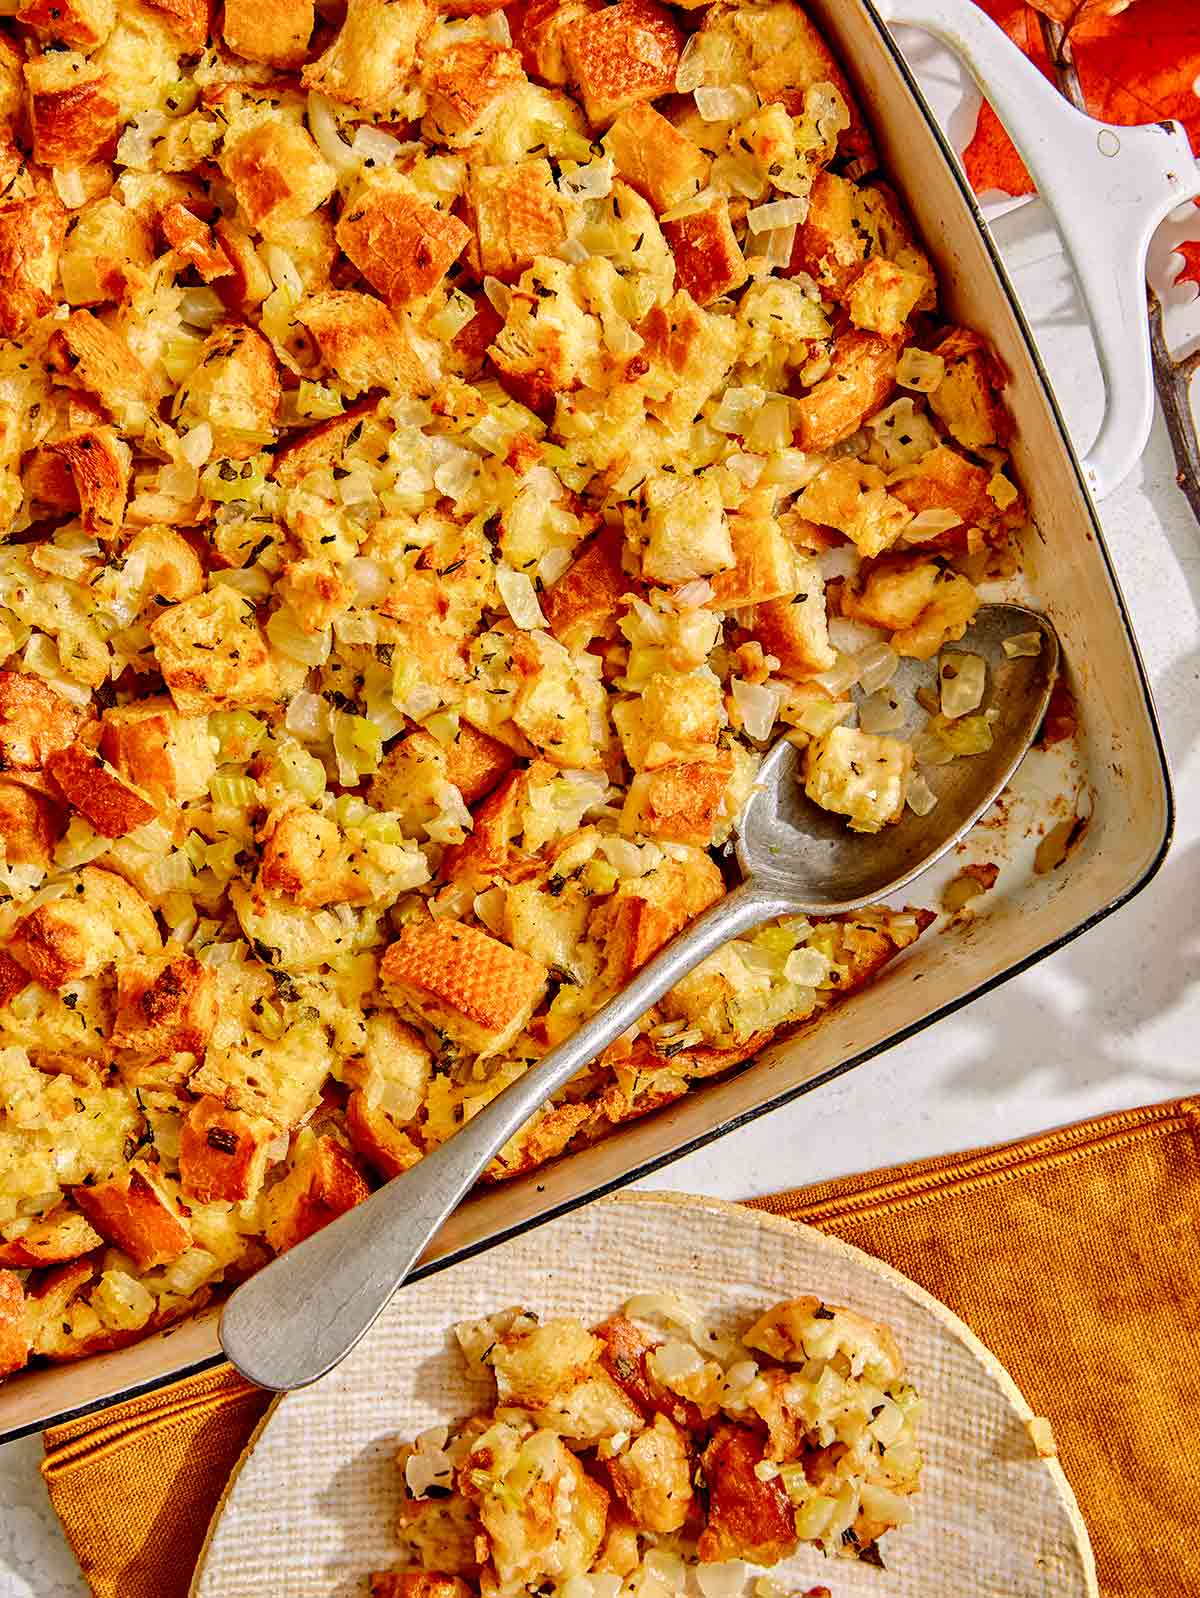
[{"x": 311, "y": 1509}]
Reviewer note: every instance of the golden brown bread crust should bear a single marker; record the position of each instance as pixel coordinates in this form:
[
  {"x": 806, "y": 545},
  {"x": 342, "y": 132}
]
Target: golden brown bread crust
[
  {"x": 634, "y": 923},
  {"x": 275, "y": 32},
  {"x": 100, "y": 917},
  {"x": 463, "y": 981},
  {"x": 518, "y": 215},
  {"x": 747, "y": 1518},
  {"x": 64, "y": 1234},
  {"x": 73, "y": 114},
  {"x": 277, "y": 173},
  {"x": 98, "y": 461},
  {"x": 401, "y": 245},
  {"x": 466, "y": 84},
  {"x": 587, "y": 601},
  {"x": 82, "y": 24},
  {"x": 222, "y": 1152},
  {"x": 88, "y": 354},
  {"x": 679, "y": 802},
  {"x": 34, "y": 721},
  {"x": 31, "y": 238},
  {"x": 95, "y": 789},
  {"x": 323, "y": 1183},
  {"x": 166, "y": 1004},
  {"x": 132, "y": 1212},
  {"x": 157, "y": 750},
  {"x": 653, "y": 157},
  {"x": 361, "y": 342},
  {"x": 371, "y": 56},
  {"x": 317, "y": 446},
  {"x": 417, "y": 1584},
  {"x": 624, "y": 53},
  {"x": 14, "y": 1338},
  {"x": 30, "y": 825},
  {"x": 862, "y": 374},
  {"x": 708, "y": 258},
  {"x": 194, "y": 241}
]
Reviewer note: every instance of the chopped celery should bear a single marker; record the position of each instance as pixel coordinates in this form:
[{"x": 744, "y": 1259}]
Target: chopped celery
[
  {"x": 238, "y": 732},
  {"x": 235, "y": 792}
]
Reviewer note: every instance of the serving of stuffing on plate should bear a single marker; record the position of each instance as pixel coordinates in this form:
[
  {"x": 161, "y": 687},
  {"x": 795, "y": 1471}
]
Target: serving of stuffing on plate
[
  {"x": 439, "y": 449},
  {"x": 613, "y": 1462}
]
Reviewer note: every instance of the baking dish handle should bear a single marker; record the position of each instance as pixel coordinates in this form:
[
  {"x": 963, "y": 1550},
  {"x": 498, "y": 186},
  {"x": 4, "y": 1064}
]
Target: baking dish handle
[{"x": 1107, "y": 187}]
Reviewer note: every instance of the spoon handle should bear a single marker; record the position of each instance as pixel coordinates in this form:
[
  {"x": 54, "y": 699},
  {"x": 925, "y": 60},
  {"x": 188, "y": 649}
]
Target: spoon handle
[{"x": 294, "y": 1320}]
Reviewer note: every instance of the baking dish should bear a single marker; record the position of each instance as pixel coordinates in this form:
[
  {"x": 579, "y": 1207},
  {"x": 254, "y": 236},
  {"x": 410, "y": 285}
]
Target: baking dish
[{"x": 1119, "y": 769}]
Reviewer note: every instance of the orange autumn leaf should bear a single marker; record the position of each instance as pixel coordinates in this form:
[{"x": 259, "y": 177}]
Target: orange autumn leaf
[
  {"x": 1190, "y": 271},
  {"x": 990, "y": 159},
  {"x": 1069, "y": 14}
]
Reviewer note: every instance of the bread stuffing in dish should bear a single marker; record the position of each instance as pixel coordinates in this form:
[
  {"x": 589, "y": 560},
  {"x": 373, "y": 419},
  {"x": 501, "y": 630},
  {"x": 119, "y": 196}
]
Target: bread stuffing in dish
[
  {"x": 441, "y": 448},
  {"x": 613, "y": 1462}
]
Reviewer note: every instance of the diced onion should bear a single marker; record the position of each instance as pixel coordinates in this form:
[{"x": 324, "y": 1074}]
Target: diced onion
[
  {"x": 880, "y": 1503},
  {"x": 307, "y": 716},
  {"x": 759, "y": 705},
  {"x": 920, "y": 370},
  {"x": 519, "y": 597},
  {"x": 841, "y": 676},
  {"x": 370, "y": 579},
  {"x": 283, "y": 270},
  {"x": 728, "y": 103},
  {"x": 877, "y": 665},
  {"x": 593, "y": 180},
  {"x": 737, "y": 409},
  {"x": 929, "y": 523},
  {"x": 777, "y": 214},
  {"x": 1022, "y": 644},
  {"x": 930, "y": 750},
  {"x": 721, "y": 1581},
  {"x": 287, "y": 635},
  {"x": 179, "y": 482},
  {"x": 499, "y": 294},
  {"x": 322, "y": 124},
  {"x": 376, "y": 148},
  {"x": 808, "y": 968},
  {"x": 695, "y": 594},
  {"x": 780, "y": 242},
  {"x": 453, "y": 316},
  {"x": 201, "y": 307},
  {"x": 962, "y": 677},
  {"x": 195, "y": 446},
  {"x": 69, "y": 187},
  {"x": 496, "y": 27},
  {"x": 880, "y": 712}
]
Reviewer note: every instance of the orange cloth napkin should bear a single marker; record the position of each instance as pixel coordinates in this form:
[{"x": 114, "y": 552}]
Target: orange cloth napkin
[{"x": 1075, "y": 1256}]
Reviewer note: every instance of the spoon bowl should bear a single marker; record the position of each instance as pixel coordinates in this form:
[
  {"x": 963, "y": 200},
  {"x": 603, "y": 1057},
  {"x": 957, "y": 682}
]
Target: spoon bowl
[{"x": 296, "y": 1319}]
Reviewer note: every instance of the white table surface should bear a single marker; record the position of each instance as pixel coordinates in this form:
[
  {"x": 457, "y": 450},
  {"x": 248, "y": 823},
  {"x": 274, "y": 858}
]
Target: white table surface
[{"x": 1109, "y": 1022}]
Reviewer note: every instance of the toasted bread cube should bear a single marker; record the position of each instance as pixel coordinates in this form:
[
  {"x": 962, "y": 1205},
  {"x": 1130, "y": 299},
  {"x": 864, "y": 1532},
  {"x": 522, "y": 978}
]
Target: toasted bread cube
[
  {"x": 691, "y": 352},
  {"x": 391, "y": 1086},
  {"x": 320, "y": 446},
  {"x": 30, "y": 825},
  {"x": 620, "y": 55},
  {"x": 212, "y": 655},
  {"x": 186, "y": 20},
  {"x": 469, "y": 985},
  {"x": 633, "y": 923},
  {"x": 303, "y": 859},
  {"x": 401, "y": 245},
  {"x": 83, "y": 24},
  {"x": 945, "y": 480},
  {"x": 535, "y": 1367},
  {"x": 249, "y": 282},
  {"x": 416, "y": 1584},
  {"x": 862, "y": 374},
  {"x": 99, "y": 919},
  {"x": 518, "y": 215},
  {"x": 168, "y": 756},
  {"x": 466, "y": 85},
  {"x": 280, "y": 1080},
  {"x": 322, "y": 1183},
  {"x": 924, "y": 605},
  {"x": 73, "y": 114},
  {"x": 832, "y": 243},
  {"x": 653, "y": 1477},
  {"x": 858, "y": 775},
  {"x": 361, "y": 342},
  {"x": 968, "y": 398},
  {"x": 677, "y": 714},
  {"x": 136, "y": 1216},
  {"x": 369, "y": 62},
  {"x": 166, "y": 1004},
  {"x": 106, "y": 256},
  {"x": 14, "y": 978},
  {"x": 411, "y": 773},
  {"x": 277, "y": 173},
  {"x": 539, "y": 33},
  {"x": 884, "y": 296},
  {"x": 99, "y": 464},
  {"x": 687, "y": 534},
  {"x": 192, "y": 240},
  {"x": 235, "y": 388},
  {"x": 316, "y": 592},
  {"x": 31, "y": 237},
  {"x": 546, "y": 339},
  {"x": 379, "y": 1141},
  {"x": 748, "y": 1517},
  {"x": 34, "y": 721},
  {"x": 679, "y": 801},
  {"x": 223, "y": 1152},
  {"x": 795, "y": 630},
  {"x": 764, "y": 565},
  {"x": 275, "y": 32},
  {"x": 14, "y": 1334},
  {"x": 662, "y": 164},
  {"x": 112, "y": 805},
  {"x": 64, "y": 1234},
  {"x": 708, "y": 260},
  {"x": 587, "y": 601},
  {"x": 89, "y": 355},
  {"x": 851, "y": 496}
]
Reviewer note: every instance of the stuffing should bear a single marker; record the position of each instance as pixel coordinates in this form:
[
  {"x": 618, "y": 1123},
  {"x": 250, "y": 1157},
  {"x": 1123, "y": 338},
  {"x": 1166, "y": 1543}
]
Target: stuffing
[
  {"x": 547, "y": 339},
  {"x": 235, "y": 389},
  {"x": 168, "y": 756},
  {"x": 518, "y": 215},
  {"x": 834, "y": 241},
  {"x": 14, "y": 1336},
  {"x": 192, "y": 241},
  {"x": 410, "y": 777},
  {"x": 654, "y": 158},
  {"x": 100, "y": 919},
  {"x": 858, "y": 775},
  {"x": 321, "y": 446},
  {"x": 764, "y": 564},
  {"x": 945, "y": 480},
  {"x": 653, "y": 1477},
  {"x": 922, "y": 603},
  {"x": 98, "y": 462},
  {"x": 134, "y": 1213},
  {"x": 316, "y": 592},
  {"x": 466, "y": 84},
  {"x": 678, "y": 801},
  {"x": 87, "y": 354},
  {"x": 277, "y": 173},
  {"x": 372, "y": 54},
  {"x": 35, "y": 721},
  {"x": 304, "y": 859},
  {"x": 801, "y": 1329},
  {"x": 587, "y": 600},
  {"x": 401, "y": 245},
  {"x": 211, "y": 653},
  {"x": 30, "y": 825},
  {"x": 676, "y": 713},
  {"x": 275, "y": 32},
  {"x": 223, "y": 1152},
  {"x": 533, "y": 1367},
  {"x": 861, "y": 375},
  {"x": 98, "y": 792},
  {"x": 559, "y": 704},
  {"x": 166, "y": 1004},
  {"x": 463, "y": 983},
  {"x": 321, "y": 1183},
  {"x": 31, "y": 239},
  {"x": 279, "y": 1080},
  {"x": 968, "y": 398},
  {"x": 708, "y": 259},
  {"x": 73, "y": 114},
  {"x": 540, "y": 31},
  {"x": 884, "y": 296},
  {"x": 390, "y": 1082},
  {"x": 690, "y": 352},
  {"x": 82, "y": 24},
  {"x": 416, "y": 1584},
  {"x": 547, "y": 921},
  {"x": 748, "y": 1518},
  {"x": 853, "y": 498},
  {"x": 686, "y": 531},
  {"x": 63, "y": 1234},
  {"x": 249, "y": 282},
  {"x": 622, "y": 54},
  {"x": 796, "y": 630},
  {"x": 361, "y": 342},
  {"x": 645, "y": 912},
  {"x": 107, "y": 252}
]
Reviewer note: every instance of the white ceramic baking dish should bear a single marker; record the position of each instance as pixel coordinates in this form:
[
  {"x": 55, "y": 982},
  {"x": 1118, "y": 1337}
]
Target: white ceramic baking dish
[{"x": 1108, "y": 204}]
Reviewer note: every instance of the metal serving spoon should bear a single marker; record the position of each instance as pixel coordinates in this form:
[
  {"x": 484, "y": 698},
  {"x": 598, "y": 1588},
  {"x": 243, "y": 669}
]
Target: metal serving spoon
[{"x": 294, "y": 1320}]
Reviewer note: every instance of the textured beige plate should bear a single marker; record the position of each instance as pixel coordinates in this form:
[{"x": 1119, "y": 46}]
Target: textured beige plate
[{"x": 309, "y": 1513}]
